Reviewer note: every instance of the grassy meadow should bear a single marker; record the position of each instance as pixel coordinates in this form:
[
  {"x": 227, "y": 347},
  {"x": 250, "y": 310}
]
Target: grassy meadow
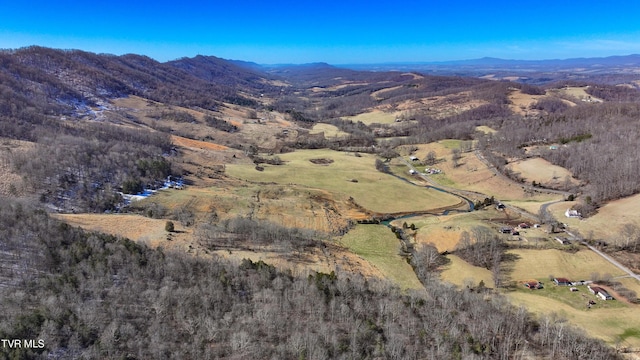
[
  {"x": 614, "y": 321},
  {"x": 374, "y": 117},
  {"x": 378, "y": 245},
  {"x": 330, "y": 131},
  {"x": 459, "y": 272},
  {"x": 350, "y": 175},
  {"x": 540, "y": 264}
]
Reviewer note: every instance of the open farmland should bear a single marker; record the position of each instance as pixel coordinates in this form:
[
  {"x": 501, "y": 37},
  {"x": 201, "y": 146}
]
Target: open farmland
[
  {"x": 290, "y": 206},
  {"x": 577, "y": 92},
  {"x": 473, "y": 175},
  {"x": 375, "y": 117},
  {"x": 540, "y": 264},
  {"x": 521, "y": 103},
  {"x": 329, "y": 131},
  {"x": 444, "y": 231},
  {"x": 607, "y": 223},
  {"x": 461, "y": 273},
  {"x": 378, "y": 245},
  {"x": 135, "y": 227},
  {"x": 350, "y": 175},
  {"x": 616, "y": 325},
  {"x": 613, "y": 321},
  {"x": 543, "y": 172}
]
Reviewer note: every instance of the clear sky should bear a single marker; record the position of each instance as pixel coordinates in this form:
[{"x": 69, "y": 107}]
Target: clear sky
[{"x": 337, "y": 32}]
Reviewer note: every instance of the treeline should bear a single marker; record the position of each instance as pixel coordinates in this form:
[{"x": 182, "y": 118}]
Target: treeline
[
  {"x": 597, "y": 145},
  {"x": 82, "y": 166},
  {"x": 244, "y": 232},
  {"x": 90, "y": 295}
]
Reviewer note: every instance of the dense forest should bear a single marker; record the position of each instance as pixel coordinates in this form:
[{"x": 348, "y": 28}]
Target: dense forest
[{"x": 90, "y": 295}]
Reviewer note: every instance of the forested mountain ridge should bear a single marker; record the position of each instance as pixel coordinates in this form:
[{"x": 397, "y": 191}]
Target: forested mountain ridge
[{"x": 66, "y": 78}]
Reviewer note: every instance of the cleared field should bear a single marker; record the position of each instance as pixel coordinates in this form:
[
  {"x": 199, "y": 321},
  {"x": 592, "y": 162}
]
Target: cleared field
[
  {"x": 378, "y": 245},
  {"x": 287, "y": 205},
  {"x": 378, "y": 95},
  {"x": 521, "y": 103},
  {"x": 195, "y": 144},
  {"x": 473, "y": 175},
  {"x": 616, "y": 324},
  {"x": 11, "y": 183},
  {"x": 532, "y": 206},
  {"x": 485, "y": 129},
  {"x": 330, "y": 131},
  {"x": 445, "y": 231},
  {"x": 613, "y": 321},
  {"x": 578, "y": 92},
  {"x": 607, "y": 223},
  {"x": 375, "y": 117},
  {"x": 373, "y": 190},
  {"x": 540, "y": 264},
  {"x": 151, "y": 232},
  {"x": 460, "y": 272},
  {"x": 542, "y": 171},
  {"x": 135, "y": 227}
]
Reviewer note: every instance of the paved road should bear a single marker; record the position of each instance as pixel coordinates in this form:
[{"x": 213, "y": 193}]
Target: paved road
[
  {"x": 612, "y": 261},
  {"x": 543, "y": 208},
  {"x": 469, "y": 194}
]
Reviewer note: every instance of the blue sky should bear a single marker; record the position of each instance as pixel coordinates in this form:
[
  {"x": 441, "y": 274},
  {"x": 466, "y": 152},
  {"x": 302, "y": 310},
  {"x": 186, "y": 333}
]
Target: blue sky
[{"x": 337, "y": 32}]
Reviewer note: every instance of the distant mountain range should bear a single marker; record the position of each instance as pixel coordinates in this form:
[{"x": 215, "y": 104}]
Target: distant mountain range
[{"x": 502, "y": 64}]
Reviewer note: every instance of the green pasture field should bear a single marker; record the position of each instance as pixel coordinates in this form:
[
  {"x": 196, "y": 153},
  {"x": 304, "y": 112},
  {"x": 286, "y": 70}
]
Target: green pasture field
[
  {"x": 459, "y": 271},
  {"x": 450, "y": 143},
  {"x": 374, "y": 117},
  {"x": 330, "y": 131},
  {"x": 576, "y": 299},
  {"x": 540, "y": 264},
  {"x": 613, "y": 321},
  {"x": 378, "y": 245},
  {"x": 348, "y": 174}
]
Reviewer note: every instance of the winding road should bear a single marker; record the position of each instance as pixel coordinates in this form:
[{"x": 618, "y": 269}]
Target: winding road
[
  {"x": 612, "y": 261},
  {"x": 543, "y": 207}
]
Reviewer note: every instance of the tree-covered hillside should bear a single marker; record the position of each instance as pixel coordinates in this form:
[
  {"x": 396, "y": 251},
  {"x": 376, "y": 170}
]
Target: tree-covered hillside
[{"x": 90, "y": 295}]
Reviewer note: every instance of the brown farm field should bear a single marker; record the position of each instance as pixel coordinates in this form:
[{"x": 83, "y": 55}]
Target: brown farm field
[
  {"x": 329, "y": 131},
  {"x": 151, "y": 233},
  {"x": 521, "y": 103},
  {"x": 291, "y": 206},
  {"x": 135, "y": 227},
  {"x": 607, "y": 223},
  {"x": 11, "y": 183},
  {"x": 473, "y": 175},
  {"x": 375, "y": 116},
  {"x": 543, "y": 172}
]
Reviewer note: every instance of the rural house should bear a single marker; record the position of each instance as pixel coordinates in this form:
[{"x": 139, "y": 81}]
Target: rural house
[
  {"x": 562, "y": 282},
  {"x": 600, "y": 292},
  {"x": 571, "y": 213}
]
